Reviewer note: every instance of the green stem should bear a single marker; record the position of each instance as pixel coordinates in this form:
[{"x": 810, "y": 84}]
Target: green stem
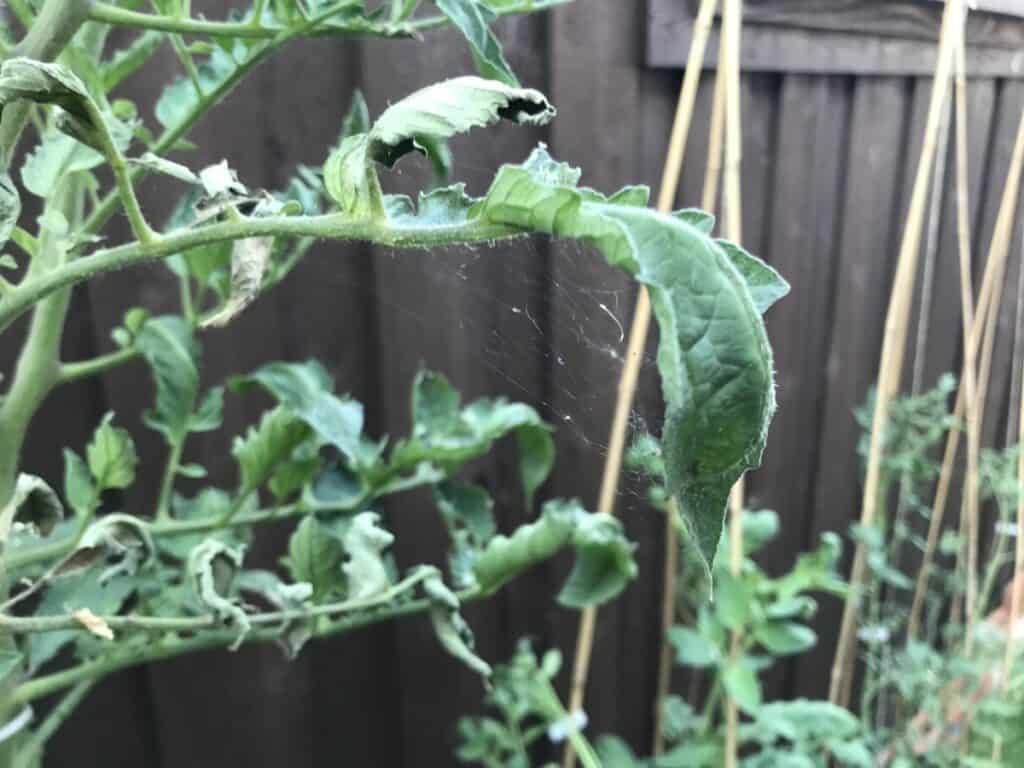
[
  {"x": 32, "y": 746},
  {"x": 334, "y": 226},
  {"x": 163, "y": 506},
  {"x": 19, "y": 559},
  {"x": 173, "y": 645},
  {"x": 65, "y": 622},
  {"x": 86, "y": 368},
  {"x": 253, "y": 29}
]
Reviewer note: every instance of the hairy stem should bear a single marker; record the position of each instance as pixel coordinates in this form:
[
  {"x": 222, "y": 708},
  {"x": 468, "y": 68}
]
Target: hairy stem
[
  {"x": 64, "y": 622},
  {"x": 173, "y": 645},
  {"x": 255, "y": 29},
  {"x": 86, "y": 368},
  {"x": 335, "y": 226}
]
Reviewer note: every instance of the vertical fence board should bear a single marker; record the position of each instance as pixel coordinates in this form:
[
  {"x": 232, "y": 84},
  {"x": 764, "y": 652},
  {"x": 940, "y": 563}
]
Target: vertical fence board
[{"x": 860, "y": 295}]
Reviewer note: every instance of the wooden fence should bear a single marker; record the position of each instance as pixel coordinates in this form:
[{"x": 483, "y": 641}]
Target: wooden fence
[{"x": 828, "y": 158}]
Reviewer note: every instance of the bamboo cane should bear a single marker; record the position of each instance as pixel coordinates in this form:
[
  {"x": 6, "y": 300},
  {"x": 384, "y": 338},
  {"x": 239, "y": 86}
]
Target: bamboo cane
[
  {"x": 893, "y": 347},
  {"x": 637, "y": 341}
]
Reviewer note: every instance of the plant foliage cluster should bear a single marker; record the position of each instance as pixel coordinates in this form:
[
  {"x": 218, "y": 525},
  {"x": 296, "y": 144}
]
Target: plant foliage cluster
[{"x": 89, "y": 587}]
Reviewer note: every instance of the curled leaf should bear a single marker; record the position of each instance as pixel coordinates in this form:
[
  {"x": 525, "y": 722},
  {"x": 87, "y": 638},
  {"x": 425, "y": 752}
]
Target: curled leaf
[
  {"x": 119, "y": 543},
  {"x": 212, "y": 567},
  {"x": 10, "y": 207},
  {"x": 364, "y": 543},
  {"x": 44, "y": 83},
  {"x": 454, "y": 634},
  {"x": 249, "y": 258},
  {"x": 431, "y": 114},
  {"x": 33, "y": 502}
]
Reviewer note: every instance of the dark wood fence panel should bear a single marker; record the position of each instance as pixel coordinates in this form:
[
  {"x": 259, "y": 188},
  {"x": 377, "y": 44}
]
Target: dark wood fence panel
[{"x": 828, "y": 163}]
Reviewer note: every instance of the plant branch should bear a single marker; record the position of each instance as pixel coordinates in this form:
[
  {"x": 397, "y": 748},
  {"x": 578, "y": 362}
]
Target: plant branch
[
  {"x": 335, "y": 226},
  {"x": 173, "y": 645},
  {"x": 65, "y": 622},
  {"x": 35, "y": 743},
  {"x": 254, "y": 29},
  {"x": 20, "y": 559},
  {"x": 86, "y": 368}
]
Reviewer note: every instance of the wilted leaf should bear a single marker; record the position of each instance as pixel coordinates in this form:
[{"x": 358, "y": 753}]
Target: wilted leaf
[
  {"x": 364, "y": 543},
  {"x": 604, "y": 562},
  {"x": 212, "y": 567},
  {"x": 249, "y": 259},
  {"x": 10, "y": 207},
  {"x": 93, "y": 623},
  {"x": 451, "y": 629},
  {"x": 33, "y": 502},
  {"x": 437, "y": 112}
]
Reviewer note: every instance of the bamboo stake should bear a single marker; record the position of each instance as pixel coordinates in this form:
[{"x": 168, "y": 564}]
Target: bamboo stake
[
  {"x": 994, "y": 269},
  {"x": 732, "y": 25},
  {"x": 713, "y": 169},
  {"x": 637, "y": 341},
  {"x": 1017, "y": 595},
  {"x": 972, "y": 401},
  {"x": 893, "y": 348}
]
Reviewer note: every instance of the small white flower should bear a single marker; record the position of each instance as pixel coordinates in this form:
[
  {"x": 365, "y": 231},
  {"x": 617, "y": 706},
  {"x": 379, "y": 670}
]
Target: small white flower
[
  {"x": 874, "y": 635},
  {"x": 558, "y": 730}
]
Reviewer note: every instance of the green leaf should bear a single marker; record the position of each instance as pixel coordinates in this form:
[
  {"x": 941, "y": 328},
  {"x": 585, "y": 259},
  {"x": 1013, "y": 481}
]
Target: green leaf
[
  {"x": 33, "y": 502},
  {"x": 192, "y": 471},
  {"x": 364, "y": 543},
  {"x": 314, "y": 556},
  {"x": 742, "y": 685},
  {"x": 604, "y": 562},
  {"x": 111, "y": 456},
  {"x": 168, "y": 346},
  {"x": 466, "y": 507},
  {"x": 305, "y": 389},
  {"x": 436, "y": 112},
  {"x": 732, "y": 600},
  {"x": 447, "y": 435},
  {"x": 613, "y": 752},
  {"x": 713, "y": 357},
  {"x": 180, "y": 98},
  {"x": 210, "y": 504},
  {"x": 78, "y": 485},
  {"x": 10, "y": 207},
  {"x": 267, "y": 446},
  {"x": 601, "y": 569},
  {"x": 126, "y": 61},
  {"x": 692, "y": 648},
  {"x": 472, "y": 18},
  {"x": 157, "y": 164},
  {"x": 45, "y": 83},
  {"x": 11, "y": 662},
  {"x": 55, "y": 157},
  {"x": 357, "y": 119},
  {"x": 75, "y": 591},
  {"x": 696, "y": 218},
  {"x": 803, "y": 720},
  {"x": 783, "y": 638},
  {"x": 766, "y": 286},
  {"x": 451, "y": 629}
]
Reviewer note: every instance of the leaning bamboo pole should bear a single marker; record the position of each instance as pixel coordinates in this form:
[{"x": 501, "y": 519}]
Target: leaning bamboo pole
[
  {"x": 989, "y": 293},
  {"x": 893, "y": 347},
  {"x": 637, "y": 341},
  {"x": 732, "y": 25}
]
